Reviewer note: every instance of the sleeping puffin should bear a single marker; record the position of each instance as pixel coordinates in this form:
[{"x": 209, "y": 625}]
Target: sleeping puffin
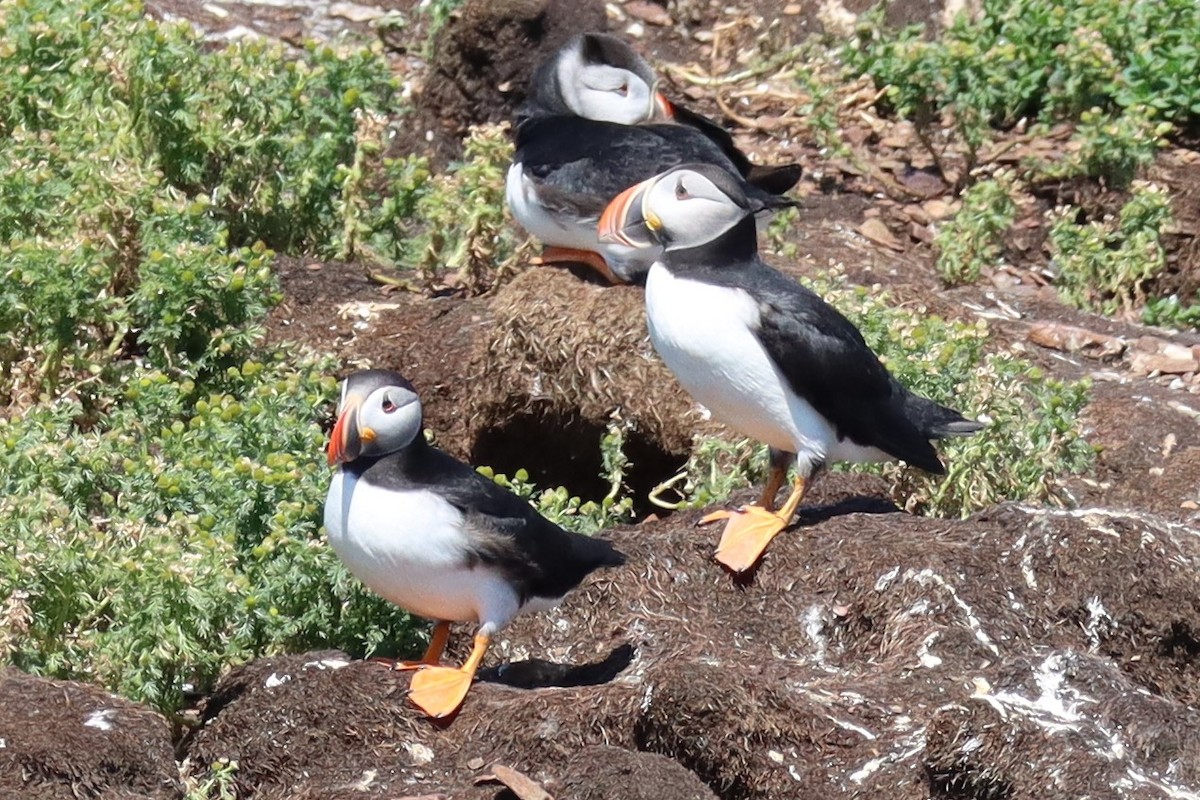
[
  {"x": 593, "y": 124},
  {"x": 430, "y": 534},
  {"x": 763, "y": 354}
]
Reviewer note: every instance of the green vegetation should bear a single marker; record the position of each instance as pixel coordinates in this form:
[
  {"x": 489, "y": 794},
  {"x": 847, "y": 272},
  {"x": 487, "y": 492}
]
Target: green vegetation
[
  {"x": 1122, "y": 74},
  {"x": 971, "y": 241},
  {"x": 160, "y": 467},
  {"x": 1103, "y": 265},
  {"x": 1112, "y": 147},
  {"x": 1038, "y": 58}
]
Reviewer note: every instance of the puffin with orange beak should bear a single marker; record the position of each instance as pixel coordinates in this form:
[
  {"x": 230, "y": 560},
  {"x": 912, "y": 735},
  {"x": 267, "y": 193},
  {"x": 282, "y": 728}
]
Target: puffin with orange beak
[
  {"x": 430, "y": 534},
  {"x": 763, "y": 354},
  {"x": 593, "y": 123}
]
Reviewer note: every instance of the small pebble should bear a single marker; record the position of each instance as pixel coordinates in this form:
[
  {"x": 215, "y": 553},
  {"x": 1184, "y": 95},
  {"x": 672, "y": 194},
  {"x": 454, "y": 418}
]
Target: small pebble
[{"x": 636, "y": 30}]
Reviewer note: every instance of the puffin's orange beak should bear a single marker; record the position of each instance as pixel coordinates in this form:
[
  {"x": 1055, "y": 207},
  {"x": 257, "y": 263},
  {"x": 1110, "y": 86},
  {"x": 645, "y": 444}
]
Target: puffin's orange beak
[
  {"x": 346, "y": 441},
  {"x": 623, "y": 219},
  {"x": 663, "y": 107}
]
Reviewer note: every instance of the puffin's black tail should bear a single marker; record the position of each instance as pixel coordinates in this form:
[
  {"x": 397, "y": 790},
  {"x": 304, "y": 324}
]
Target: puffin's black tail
[
  {"x": 774, "y": 179},
  {"x": 920, "y": 421},
  {"x": 594, "y": 553},
  {"x": 936, "y": 421}
]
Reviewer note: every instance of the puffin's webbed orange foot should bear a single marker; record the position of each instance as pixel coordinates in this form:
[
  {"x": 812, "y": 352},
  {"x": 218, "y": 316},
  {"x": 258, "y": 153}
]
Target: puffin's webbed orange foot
[
  {"x": 567, "y": 255},
  {"x": 747, "y": 534},
  {"x": 439, "y": 691}
]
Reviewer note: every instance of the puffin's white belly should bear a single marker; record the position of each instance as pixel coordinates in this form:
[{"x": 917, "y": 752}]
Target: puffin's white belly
[
  {"x": 409, "y": 547},
  {"x": 564, "y": 230},
  {"x": 705, "y": 334},
  {"x": 556, "y": 231}
]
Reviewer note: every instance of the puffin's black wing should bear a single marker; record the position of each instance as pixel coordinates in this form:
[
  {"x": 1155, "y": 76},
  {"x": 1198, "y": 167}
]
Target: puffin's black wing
[
  {"x": 721, "y": 137},
  {"x": 535, "y": 555},
  {"x": 581, "y": 164},
  {"x": 827, "y": 362},
  {"x": 774, "y": 179}
]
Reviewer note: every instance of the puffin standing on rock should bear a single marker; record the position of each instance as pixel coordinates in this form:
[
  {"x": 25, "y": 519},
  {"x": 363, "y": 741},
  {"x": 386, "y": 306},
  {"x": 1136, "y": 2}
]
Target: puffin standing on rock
[
  {"x": 595, "y": 123},
  {"x": 433, "y": 536},
  {"x": 765, "y": 355}
]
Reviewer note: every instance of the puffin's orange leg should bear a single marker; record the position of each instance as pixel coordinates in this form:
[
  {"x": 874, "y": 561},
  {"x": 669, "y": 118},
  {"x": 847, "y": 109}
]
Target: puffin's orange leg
[
  {"x": 567, "y": 255},
  {"x": 751, "y": 528},
  {"x": 433, "y": 653},
  {"x": 439, "y": 691}
]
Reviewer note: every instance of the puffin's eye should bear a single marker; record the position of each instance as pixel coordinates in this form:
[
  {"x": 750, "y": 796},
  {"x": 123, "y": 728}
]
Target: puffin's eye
[
  {"x": 388, "y": 405},
  {"x": 681, "y": 192},
  {"x": 623, "y": 89}
]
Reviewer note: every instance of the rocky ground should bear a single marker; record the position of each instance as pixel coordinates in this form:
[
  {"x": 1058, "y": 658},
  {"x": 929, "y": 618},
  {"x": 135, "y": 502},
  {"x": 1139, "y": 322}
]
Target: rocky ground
[{"x": 1021, "y": 653}]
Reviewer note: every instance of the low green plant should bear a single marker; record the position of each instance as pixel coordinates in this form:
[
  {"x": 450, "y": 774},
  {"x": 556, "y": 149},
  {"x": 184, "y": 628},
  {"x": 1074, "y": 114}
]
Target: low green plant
[
  {"x": 780, "y": 240},
  {"x": 438, "y": 12},
  {"x": 1172, "y": 312},
  {"x": 1033, "y": 436},
  {"x": 819, "y": 80},
  {"x": 160, "y": 466},
  {"x": 1103, "y": 265},
  {"x": 1111, "y": 147},
  {"x": 217, "y": 782},
  {"x": 464, "y": 220},
  {"x": 430, "y": 224},
  {"x": 562, "y": 508},
  {"x": 262, "y": 135},
  {"x": 972, "y": 240}
]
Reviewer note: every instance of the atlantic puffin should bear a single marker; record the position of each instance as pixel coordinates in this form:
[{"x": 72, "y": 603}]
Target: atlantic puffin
[
  {"x": 430, "y": 534},
  {"x": 594, "y": 123},
  {"x": 763, "y": 354}
]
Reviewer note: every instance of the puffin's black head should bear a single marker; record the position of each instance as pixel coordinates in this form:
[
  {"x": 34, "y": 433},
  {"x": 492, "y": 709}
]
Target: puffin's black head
[
  {"x": 598, "y": 77},
  {"x": 379, "y": 413},
  {"x": 685, "y": 207}
]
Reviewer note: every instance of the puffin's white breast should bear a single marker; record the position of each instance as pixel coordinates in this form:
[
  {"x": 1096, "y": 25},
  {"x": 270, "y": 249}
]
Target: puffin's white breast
[
  {"x": 705, "y": 334},
  {"x": 411, "y": 548}
]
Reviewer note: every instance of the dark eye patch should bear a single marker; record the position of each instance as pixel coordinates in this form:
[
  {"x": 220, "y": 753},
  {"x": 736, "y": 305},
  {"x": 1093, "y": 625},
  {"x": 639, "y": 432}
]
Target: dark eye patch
[
  {"x": 681, "y": 192},
  {"x": 388, "y": 406}
]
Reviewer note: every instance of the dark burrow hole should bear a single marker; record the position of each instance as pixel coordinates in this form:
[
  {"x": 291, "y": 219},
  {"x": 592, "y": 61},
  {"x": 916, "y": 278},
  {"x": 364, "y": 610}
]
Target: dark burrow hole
[
  {"x": 558, "y": 449},
  {"x": 967, "y": 784},
  {"x": 538, "y": 673}
]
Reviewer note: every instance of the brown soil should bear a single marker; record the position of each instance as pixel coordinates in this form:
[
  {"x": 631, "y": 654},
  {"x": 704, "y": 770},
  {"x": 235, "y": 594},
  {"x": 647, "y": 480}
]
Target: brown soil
[
  {"x": 857, "y": 662},
  {"x": 61, "y": 740}
]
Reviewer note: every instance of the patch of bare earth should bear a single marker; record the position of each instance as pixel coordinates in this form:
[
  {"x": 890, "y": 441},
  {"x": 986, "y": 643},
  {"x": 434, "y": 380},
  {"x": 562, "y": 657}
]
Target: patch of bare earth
[{"x": 871, "y": 655}]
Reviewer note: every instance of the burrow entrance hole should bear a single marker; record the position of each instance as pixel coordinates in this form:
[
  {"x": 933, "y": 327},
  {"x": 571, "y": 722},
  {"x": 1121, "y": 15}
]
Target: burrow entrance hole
[{"x": 563, "y": 449}]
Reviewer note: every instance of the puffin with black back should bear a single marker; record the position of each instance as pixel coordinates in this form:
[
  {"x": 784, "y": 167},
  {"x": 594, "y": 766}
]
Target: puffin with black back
[
  {"x": 594, "y": 123},
  {"x": 430, "y": 534},
  {"x": 765, "y": 355}
]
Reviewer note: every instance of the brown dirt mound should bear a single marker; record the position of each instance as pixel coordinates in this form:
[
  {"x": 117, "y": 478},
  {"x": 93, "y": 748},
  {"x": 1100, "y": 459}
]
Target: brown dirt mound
[
  {"x": 603, "y": 772},
  {"x": 61, "y": 740},
  {"x": 560, "y": 362},
  {"x": 484, "y": 56},
  {"x": 870, "y": 656}
]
